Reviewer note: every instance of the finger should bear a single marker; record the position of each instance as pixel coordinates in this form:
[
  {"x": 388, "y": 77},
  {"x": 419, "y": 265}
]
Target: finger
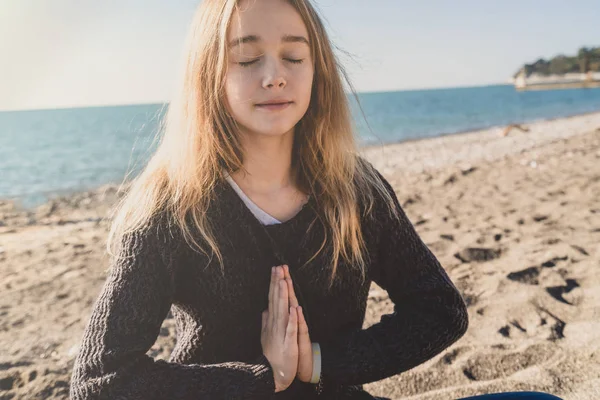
[
  {"x": 275, "y": 303},
  {"x": 302, "y": 325},
  {"x": 291, "y": 332},
  {"x": 291, "y": 291},
  {"x": 272, "y": 287},
  {"x": 283, "y": 308},
  {"x": 275, "y": 276}
]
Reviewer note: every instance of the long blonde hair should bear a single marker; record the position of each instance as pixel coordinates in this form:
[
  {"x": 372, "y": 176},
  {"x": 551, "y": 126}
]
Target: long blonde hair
[{"x": 199, "y": 140}]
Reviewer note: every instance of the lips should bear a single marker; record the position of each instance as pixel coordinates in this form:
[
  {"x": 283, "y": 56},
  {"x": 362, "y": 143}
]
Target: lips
[
  {"x": 273, "y": 106},
  {"x": 275, "y": 102}
]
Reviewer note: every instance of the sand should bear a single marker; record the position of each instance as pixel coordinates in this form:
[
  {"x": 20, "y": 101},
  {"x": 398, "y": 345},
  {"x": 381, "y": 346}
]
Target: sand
[{"x": 514, "y": 220}]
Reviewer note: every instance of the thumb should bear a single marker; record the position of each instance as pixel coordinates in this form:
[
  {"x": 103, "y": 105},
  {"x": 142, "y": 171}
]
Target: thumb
[
  {"x": 303, "y": 335},
  {"x": 305, "y": 356}
]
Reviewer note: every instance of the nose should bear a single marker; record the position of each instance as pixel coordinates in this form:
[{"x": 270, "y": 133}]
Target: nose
[{"x": 274, "y": 75}]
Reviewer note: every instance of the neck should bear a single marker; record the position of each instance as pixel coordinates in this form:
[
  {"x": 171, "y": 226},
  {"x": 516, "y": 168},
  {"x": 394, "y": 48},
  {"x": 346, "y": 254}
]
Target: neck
[{"x": 267, "y": 164}]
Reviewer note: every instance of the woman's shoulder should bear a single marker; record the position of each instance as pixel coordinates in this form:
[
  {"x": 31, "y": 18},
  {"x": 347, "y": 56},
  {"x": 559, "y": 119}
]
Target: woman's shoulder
[
  {"x": 153, "y": 237},
  {"x": 370, "y": 170},
  {"x": 376, "y": 194}
]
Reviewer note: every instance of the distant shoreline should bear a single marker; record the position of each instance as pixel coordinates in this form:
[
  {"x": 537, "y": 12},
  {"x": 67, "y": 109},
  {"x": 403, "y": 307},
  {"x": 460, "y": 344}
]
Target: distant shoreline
[
  {"x": 394, "y": 150},
  {"x": 476, "y": 130},
  {"x": 471, "y": 147}
]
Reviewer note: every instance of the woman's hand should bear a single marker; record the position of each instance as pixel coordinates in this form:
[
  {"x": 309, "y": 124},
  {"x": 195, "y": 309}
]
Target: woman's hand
[
  {"x": 279, "y": 333},
  {"x": 305, "y": 356}
]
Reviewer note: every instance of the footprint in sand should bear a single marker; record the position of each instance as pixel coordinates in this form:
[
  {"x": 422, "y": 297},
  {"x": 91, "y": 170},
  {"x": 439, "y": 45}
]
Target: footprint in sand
[
  {"x": 549, "y": 327},
  {"x": 558, "y": 292},
  {"x": 485, "y": 367},
  {"x": 477, "y": 254},
  {"x": 530, "y": 275}
]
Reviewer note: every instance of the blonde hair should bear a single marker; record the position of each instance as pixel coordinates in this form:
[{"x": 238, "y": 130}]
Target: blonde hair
[{"x": 199, "y": 141}]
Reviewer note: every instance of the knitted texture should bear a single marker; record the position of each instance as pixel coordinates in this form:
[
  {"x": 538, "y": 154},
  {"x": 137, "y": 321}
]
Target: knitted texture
[{"x": 218, "y": 353}]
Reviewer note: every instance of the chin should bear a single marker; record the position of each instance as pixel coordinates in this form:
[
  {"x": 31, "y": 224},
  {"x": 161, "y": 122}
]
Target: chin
[{"x": 274, "y": 130}]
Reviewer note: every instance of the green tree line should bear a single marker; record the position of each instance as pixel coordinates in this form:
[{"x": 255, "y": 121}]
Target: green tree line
[{"x": 587, "y": 59}]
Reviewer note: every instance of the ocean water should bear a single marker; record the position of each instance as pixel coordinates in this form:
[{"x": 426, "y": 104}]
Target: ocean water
[{"x": 44, "y": 153}]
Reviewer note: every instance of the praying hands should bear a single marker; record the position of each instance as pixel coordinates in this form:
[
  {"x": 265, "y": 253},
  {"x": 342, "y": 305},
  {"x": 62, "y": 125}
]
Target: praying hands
[{"x": 285, "y": 338}]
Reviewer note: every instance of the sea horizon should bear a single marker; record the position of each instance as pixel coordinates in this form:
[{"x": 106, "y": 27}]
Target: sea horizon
[
  {"x": 156, "y": 103},
  {"x": 51, "y": 152}
]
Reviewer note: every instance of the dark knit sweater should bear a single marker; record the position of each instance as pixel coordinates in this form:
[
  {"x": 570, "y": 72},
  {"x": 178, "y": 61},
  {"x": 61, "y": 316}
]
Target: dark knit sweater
[{"x": 218, "y": 353}]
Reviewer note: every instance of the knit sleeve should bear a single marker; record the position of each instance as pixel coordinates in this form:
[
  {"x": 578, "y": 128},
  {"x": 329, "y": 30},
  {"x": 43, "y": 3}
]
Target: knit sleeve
[
  {"x": 112, "y": 362},
  {"x": 429, "y": 312}
]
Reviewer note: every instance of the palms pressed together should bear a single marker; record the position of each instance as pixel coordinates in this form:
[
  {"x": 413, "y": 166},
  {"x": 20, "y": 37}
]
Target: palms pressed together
[{"x": 284, "y": 337}]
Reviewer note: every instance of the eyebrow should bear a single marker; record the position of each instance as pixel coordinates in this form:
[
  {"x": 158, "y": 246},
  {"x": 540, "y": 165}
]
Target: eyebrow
[{"x": 256, "y": 39}]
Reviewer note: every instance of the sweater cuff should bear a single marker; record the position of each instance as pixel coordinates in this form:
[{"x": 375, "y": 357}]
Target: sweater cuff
[
  {"x": 316, "y": 371},
  {"x": 265, "y": 379}
]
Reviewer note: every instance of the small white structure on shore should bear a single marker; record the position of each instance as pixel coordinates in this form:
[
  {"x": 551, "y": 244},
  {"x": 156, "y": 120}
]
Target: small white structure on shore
[{"x": 546, "y": 82}]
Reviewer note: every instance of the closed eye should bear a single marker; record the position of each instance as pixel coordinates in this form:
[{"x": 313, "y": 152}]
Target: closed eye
[{"x": 248, "y": 63}]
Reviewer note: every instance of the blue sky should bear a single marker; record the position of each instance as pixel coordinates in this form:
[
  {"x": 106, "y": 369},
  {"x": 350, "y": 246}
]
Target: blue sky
[{"x": 62, "y": 53}]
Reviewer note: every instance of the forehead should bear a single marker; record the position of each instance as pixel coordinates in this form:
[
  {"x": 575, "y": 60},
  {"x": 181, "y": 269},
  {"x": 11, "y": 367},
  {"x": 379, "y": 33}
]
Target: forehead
[{"x": 269, "y": 20}]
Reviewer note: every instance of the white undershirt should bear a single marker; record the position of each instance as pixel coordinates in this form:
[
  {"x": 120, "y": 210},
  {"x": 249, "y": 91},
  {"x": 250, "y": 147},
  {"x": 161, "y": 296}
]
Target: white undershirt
[{"x": 264, "y": 217}]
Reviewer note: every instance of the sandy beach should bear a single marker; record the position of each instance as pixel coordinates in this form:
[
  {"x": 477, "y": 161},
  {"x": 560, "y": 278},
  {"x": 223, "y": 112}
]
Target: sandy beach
[{"x": 514, "y": 220}]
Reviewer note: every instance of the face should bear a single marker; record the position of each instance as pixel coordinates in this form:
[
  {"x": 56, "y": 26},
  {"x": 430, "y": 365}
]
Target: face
[{"x": 269, "y": 61}]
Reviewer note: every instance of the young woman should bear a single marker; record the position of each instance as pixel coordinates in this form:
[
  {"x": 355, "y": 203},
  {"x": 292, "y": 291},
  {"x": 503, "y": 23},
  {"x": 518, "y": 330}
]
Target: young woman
[{"x": 258, "y": 167}]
